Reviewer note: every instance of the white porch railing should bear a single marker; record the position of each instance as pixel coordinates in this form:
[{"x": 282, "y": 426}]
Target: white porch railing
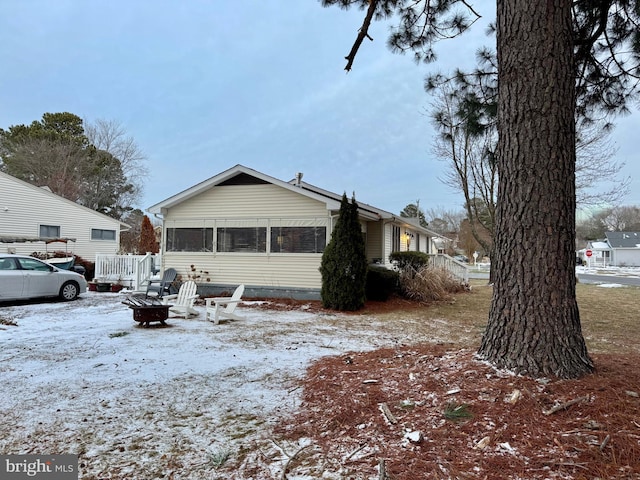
[
  {"x": 458, "y": 269},
  {"x": 133, "y": 271}
]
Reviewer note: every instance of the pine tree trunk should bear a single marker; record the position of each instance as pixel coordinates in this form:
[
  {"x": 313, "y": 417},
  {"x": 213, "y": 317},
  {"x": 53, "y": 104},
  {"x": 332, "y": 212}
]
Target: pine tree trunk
[{"x": 534, "y": 323}]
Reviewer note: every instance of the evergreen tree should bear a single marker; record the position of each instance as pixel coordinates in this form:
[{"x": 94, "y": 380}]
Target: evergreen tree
[
  {"x": 344, "y": 262},
  {"x": 413, "y": 210},
  {"x": 56, "y": 152},
  {"x": 147, "y": 237}
]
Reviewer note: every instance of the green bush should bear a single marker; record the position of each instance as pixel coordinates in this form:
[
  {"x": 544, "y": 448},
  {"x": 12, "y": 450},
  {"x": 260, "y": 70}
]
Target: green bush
[
  {"x": 415, "y": 260},
  {"x": 344, "y": 262},
  {"x": 381, "y": 283}
]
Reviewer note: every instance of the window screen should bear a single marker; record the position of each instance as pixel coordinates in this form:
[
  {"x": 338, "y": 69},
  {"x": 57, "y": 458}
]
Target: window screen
[
  {"x": 189, "y": 240},
  {"x": 298, "y": 239},
  {"x": 242, "y": 239}
]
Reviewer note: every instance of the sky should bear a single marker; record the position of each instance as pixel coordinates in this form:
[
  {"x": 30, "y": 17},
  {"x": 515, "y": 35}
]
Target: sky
[{"x": 202, "y": 86}]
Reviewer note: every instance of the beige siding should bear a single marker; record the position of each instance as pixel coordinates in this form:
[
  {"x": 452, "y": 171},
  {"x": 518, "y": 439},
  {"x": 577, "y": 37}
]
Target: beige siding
[
  {"x": 274, "y": 270},
  {"x": 387, "y": 243},
  {"x": 247, "y": 201},
  {"x": 23, "y": 208},
  {"x": 263, "y": 205},
  {"x": 375, "y": 239}
]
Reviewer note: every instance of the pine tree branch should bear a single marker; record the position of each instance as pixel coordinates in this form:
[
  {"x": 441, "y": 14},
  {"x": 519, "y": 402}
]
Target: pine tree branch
[{"x": 362, "y": 33}]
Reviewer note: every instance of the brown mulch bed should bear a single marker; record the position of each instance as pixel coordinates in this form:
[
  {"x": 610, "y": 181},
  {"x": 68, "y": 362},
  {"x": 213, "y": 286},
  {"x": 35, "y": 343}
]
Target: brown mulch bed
[
  {"x": 393, "y": 304},
  {"x": 517, "y": 428}
]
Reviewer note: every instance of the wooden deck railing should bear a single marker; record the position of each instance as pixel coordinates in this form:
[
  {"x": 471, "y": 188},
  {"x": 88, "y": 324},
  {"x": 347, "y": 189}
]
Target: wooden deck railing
[{"x": 133, "y": 271}]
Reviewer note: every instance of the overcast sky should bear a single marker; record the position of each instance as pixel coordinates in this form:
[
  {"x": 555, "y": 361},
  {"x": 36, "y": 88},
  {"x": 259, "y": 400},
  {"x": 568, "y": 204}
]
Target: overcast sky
[{"x": 204, "y": 85}]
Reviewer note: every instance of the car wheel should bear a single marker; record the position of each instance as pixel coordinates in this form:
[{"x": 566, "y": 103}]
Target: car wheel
[{"x": 69, "y": 291}]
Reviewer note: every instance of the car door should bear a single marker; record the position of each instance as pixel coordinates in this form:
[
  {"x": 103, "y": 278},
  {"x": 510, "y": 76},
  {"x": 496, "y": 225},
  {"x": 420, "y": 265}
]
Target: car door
[
  {"x": 40, "y": 279},
  {"x": 11, "y": 279}
]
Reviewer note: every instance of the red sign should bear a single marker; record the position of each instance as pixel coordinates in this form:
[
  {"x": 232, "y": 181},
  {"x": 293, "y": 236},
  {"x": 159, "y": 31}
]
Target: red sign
[{"x": 588, "y": 253}]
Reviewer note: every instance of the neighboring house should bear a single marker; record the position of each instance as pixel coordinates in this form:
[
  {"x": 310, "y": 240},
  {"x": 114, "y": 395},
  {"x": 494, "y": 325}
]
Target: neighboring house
[
  {"x": 600, "y": 254},
  {"x": 625, "y": 248},
  {"x": 31, "y": 212},
  {"x": 620, "y": 249},
  {"x": 242, "y": 226}
]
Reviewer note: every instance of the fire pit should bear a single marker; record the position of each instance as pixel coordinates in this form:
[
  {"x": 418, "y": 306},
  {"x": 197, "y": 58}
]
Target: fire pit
[{"x": 147, "y": 310}]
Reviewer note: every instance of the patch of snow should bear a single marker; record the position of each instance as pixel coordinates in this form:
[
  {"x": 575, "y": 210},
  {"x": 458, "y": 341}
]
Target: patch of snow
[{"x": 110, "y": 388}]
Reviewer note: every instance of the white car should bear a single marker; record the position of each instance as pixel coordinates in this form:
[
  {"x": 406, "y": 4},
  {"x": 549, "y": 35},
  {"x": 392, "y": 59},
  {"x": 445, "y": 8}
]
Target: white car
[{"x": 23, "y": 277}]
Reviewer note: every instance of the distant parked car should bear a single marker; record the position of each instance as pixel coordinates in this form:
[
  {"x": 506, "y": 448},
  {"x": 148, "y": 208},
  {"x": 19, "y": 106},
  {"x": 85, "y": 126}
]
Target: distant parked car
[
  {"x": 23, "y": 277},
  {"x": 462, "y": 258}
]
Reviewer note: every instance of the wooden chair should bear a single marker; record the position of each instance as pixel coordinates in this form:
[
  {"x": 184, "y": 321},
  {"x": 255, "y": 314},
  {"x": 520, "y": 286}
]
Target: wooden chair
[
  {"x": 163, "y": 286},
  {"x": 221, "y": 308},
  {"x": 182, "y": 302}
]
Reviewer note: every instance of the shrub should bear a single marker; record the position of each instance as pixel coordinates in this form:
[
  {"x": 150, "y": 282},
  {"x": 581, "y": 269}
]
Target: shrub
[
  {"x": 414, "y": 260},
  {"x": 381, "y": 283},
  {"x": 90, "y": 267},
  {"x": 429, "y": 284}
]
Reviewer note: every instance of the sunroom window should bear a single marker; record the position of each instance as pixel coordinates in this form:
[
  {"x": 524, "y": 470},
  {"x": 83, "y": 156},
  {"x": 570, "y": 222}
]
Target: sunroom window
[
  {"x": 189, "y": 239},
  {"x": 241, "y": 239},
  {"x": 298, "y": 239}
]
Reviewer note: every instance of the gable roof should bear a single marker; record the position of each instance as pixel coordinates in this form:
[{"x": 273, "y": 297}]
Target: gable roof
[
  {"x": 623, "y": 239},
  {"x": 55, "y": 197},
  {"x": 598, "y": 245},
  {"x": 241, "y": 175},
  {"x": 238, "y": 175}
]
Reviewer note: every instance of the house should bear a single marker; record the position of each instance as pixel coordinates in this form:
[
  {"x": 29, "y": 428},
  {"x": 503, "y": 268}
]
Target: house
[
  {"x": 619, "y": 249},
  {"x": 625, "y": 248},
  {"x": 600, "y": 254},
  {"x": 28, "y": 212},
  {"x": 244, "y": 227}
]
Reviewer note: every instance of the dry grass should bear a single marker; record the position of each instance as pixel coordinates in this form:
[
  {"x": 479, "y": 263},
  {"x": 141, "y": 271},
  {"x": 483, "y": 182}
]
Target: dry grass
[
  {"x": 609, "y": 316},
  {"x": 519, "y": 428},
  {"x": 430, "y": 284}
]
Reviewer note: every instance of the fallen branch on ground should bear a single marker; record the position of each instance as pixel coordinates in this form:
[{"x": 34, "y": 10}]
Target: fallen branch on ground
[
  {"x": 387, "y": 413},
  {"x": 382, "y": 470},
  {"x": 290, "y": 458},
  {"x": 565, "y": 405},
  {"x": 347, "y": 457}
]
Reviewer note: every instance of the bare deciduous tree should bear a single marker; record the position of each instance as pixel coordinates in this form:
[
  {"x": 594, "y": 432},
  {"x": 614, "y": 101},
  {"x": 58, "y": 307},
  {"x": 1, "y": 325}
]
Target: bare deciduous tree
[
  {"x": 110, "y": 136},
  {"x": 596, "y": 166},
  {"x": 471, "y": 168},
  {"x": 444, "y": 221}
]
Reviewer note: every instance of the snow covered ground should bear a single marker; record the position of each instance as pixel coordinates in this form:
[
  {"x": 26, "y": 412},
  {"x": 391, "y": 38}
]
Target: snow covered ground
[
  {"x": 162, "y": 402},
  {"x": 610, "y": 270},
  {"x": 159, "y": 402}
]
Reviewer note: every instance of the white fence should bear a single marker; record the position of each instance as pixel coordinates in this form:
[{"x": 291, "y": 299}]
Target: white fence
[
  {"x": 458, "y": 269},
  {"x": 133, "y": 271}
]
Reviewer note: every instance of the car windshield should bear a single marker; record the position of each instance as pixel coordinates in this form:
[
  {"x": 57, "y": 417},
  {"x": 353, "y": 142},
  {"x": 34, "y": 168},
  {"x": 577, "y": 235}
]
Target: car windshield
[{"x": 33, "y": 264}]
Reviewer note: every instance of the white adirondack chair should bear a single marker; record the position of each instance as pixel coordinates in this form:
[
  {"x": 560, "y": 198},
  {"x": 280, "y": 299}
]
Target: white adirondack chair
[
  {"x": 183, "y": 301},
  {"x": 224, "y": 307}
]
